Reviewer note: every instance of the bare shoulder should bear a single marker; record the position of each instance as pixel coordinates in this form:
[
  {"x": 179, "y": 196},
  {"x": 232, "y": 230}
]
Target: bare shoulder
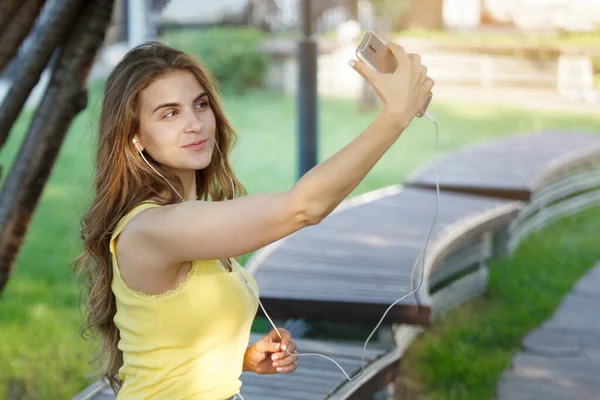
[
  {"x": 132, "y": 244},
  {"x": 141, "y": 266}
]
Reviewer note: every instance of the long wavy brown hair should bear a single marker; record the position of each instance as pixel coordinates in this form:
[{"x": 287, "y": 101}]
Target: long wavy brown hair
[{"x": 123, "y": 180}]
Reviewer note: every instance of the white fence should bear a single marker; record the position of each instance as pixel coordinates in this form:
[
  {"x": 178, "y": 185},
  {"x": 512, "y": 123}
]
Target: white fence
[{"x": 571, "y": 76}]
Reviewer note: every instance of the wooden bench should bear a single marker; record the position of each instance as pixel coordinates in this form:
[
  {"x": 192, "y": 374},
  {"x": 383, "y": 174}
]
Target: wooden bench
[
  {"x": 511, "y": 168},
  {"x": 558, "y": 173},
  {"x": 359, "y": 260}
]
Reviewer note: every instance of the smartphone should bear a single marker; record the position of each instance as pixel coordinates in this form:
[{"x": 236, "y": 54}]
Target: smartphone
[{"x": 372, "y": 51}]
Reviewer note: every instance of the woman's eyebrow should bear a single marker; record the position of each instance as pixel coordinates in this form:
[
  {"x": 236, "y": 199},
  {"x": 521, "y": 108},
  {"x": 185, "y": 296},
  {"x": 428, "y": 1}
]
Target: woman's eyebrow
[
  {"x": 166, "y": 105},
  {"x": 200, "y": 96}
]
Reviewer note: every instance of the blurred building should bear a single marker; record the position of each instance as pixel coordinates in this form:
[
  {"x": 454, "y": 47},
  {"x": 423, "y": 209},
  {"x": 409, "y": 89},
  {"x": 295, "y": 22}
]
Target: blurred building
[
  {"x": 539, "y": 15},
  {"x": 144, "y": 18}
]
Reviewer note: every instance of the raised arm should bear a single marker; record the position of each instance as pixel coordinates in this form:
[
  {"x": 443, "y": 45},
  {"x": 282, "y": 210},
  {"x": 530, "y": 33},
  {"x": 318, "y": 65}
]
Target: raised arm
[{"x": 210, "y": 230}]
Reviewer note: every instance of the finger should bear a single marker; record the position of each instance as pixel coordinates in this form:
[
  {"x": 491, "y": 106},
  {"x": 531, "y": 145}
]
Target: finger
[
  {"x": 422, "y": 73},
  {"x": 428, "y": 85},
  {"x": 285, "y": 362},
  {"x": 399, "y": 53},
  {"x": 291, "y": 348},
  {"x": 286, "y": 338},
  {"x": 280, "y": 356},
  {"x": 416, "y": 59},
  {"x": 267, "y": 346},
  {"x": 363, "y": 69},
  {"x": 286, "y": 369},
  {"x": 276, "y": 334}
]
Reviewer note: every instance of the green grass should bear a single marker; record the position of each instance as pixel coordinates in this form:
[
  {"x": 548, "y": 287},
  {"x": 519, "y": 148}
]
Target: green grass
[
  {"x": 42, "y": 355},
  {"x": 463, "y": 356}
]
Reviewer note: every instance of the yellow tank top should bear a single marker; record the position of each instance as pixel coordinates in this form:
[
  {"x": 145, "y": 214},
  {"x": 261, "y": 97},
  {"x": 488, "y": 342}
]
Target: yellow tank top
[{"x": 189, "y": 342}]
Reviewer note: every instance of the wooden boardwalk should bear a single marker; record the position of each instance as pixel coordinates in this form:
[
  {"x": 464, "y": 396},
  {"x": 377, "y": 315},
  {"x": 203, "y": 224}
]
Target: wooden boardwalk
[
  {"x": 513, "y": 167},
  {"x": 561, "y": 359},
  {"x": 359, "y": 260},
  {"x": 314, "y": 379}
]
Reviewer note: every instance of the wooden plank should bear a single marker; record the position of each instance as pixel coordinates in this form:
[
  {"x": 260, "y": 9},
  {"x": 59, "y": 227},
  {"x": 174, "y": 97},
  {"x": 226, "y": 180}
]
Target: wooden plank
[
  {"x": 509, "y": 167},
  {"x": 321, "y": 268}
]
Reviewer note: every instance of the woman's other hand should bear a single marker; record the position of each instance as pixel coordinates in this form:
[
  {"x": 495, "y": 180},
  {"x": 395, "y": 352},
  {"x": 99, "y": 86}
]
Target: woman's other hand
[
  {"x": 269, "y": 355},
  {"x": 403, "y": 92}
]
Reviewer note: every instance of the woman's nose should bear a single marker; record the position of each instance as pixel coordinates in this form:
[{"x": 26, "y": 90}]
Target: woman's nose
[{"x": 193, "y": 123}]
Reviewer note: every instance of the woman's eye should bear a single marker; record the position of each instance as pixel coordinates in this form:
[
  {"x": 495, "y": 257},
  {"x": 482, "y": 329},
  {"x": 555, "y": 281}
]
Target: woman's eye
[
  {"x": 169, "y": 114},
  {"x": 202, "y": 104}
]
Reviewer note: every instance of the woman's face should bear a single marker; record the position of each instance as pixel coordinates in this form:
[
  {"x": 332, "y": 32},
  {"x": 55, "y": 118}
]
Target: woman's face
[{"x": 177, "y": 124}]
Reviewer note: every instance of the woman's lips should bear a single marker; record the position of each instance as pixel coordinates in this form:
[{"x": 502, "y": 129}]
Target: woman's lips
[{"x": 199, "y": 145}]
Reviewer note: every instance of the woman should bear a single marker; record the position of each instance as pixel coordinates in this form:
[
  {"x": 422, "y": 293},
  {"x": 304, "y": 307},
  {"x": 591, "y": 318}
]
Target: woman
[{"x": 173, "y": 307}]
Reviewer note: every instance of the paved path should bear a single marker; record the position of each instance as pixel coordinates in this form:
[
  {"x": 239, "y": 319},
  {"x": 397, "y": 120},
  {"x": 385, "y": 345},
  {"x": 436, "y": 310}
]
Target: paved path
[{"x": 561, "y": 359}]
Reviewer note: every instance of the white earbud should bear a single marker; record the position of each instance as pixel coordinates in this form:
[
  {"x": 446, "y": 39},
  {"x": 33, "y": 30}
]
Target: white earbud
[{"x": 135, "y": 142}]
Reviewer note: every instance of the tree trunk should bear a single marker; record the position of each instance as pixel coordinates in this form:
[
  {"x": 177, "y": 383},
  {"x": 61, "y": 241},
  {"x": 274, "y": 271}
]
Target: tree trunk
[
  {"x": 17, "y": 30},
  {"x": 7, "y": 9},
  {"x": 46, "y": 37},
  {"x": 65, "y": 96}
]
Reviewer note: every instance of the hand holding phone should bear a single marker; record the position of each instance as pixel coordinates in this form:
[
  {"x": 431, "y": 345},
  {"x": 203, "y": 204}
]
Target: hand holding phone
[{"x": 385, "y": 59}]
